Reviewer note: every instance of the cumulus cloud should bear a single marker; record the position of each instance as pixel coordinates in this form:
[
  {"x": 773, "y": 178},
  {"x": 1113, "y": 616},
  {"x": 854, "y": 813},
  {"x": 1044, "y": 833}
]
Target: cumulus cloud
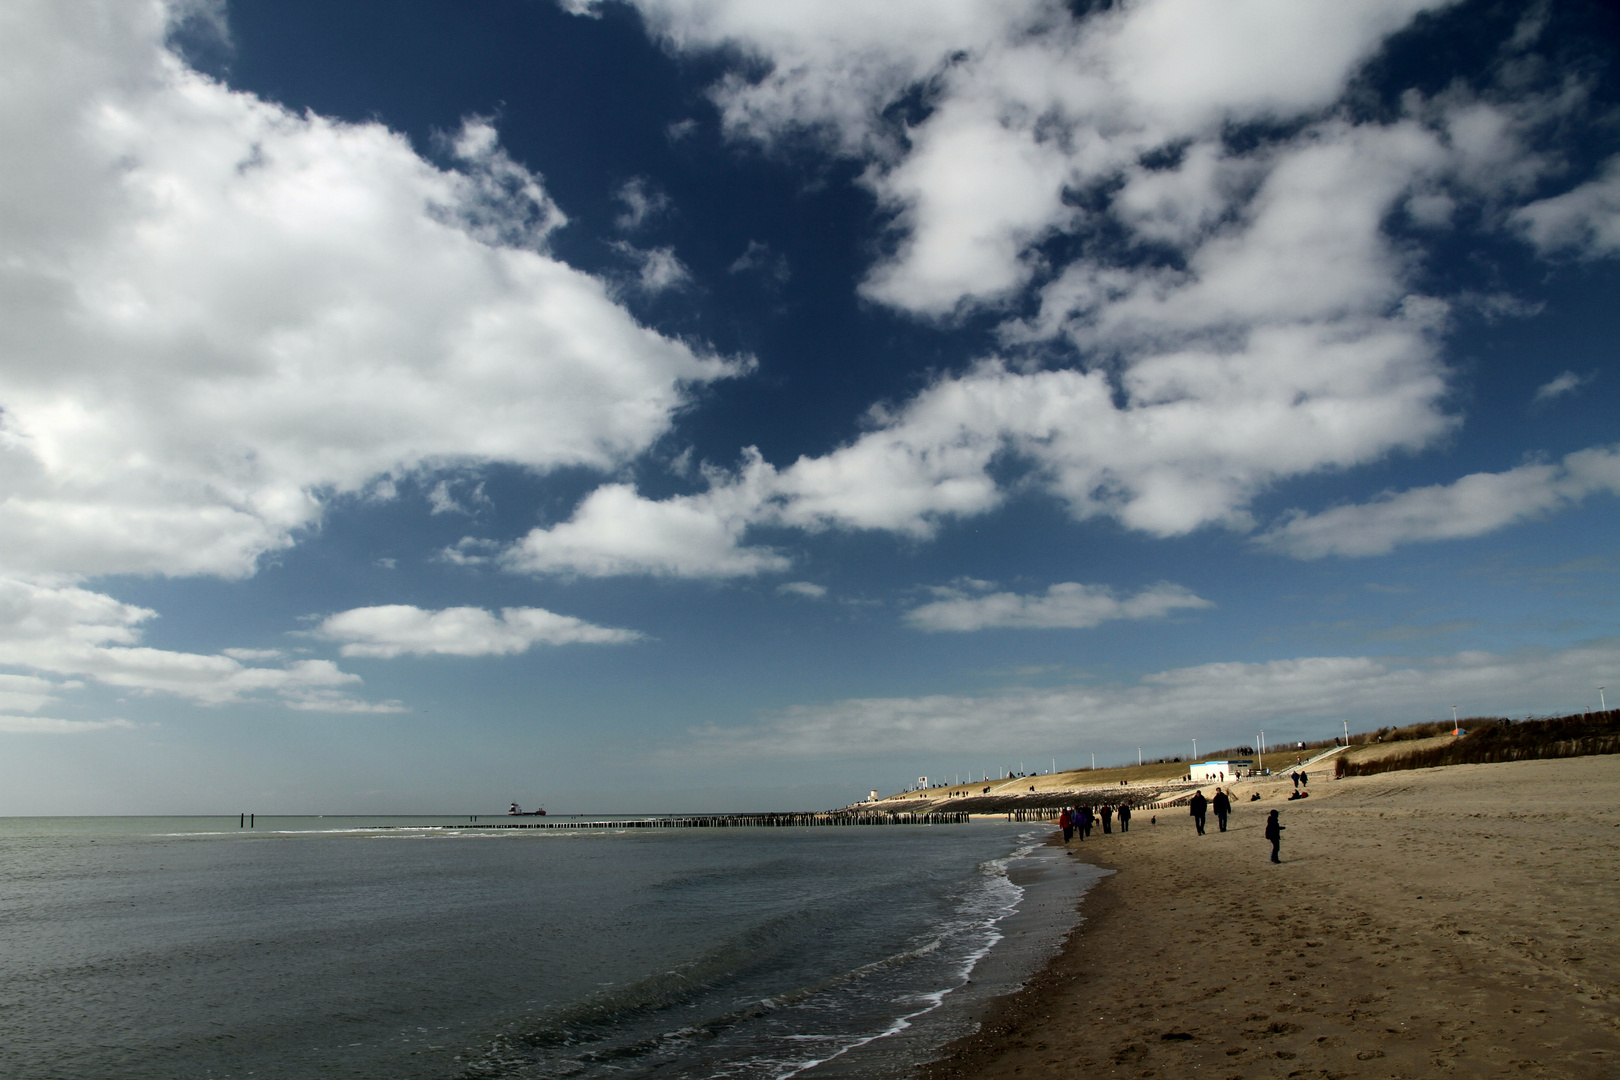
[
  {"x": 803, "y": 588},
  {"x": 1472, "y": 506},
  {"x": 216, "y": 311},
  {"x": 392, "y": 630},
  {"x": 1066, "y": 605},
  {"x": 1229, "y": 701},
  {"x": 78, "y": 633},
  {"x": 1238, "y": 312},
  {"x": 618, "y": 531}
]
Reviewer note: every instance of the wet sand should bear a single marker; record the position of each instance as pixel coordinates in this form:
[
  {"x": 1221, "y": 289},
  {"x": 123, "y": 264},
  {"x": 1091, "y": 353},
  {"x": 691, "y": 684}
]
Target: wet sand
[{"x": 1462, "y": 920}]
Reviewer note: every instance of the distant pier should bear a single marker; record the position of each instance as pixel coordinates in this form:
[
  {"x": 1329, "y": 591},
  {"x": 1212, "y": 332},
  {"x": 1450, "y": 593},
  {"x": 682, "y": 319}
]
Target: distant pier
[{"x": 734, "y": 821}]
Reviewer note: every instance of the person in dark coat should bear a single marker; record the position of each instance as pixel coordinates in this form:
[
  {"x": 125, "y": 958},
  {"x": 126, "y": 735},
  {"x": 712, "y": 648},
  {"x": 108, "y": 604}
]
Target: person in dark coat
[
  {"x": 1294, "y": 776},
  {"x": 1222, "y": 807},
  {"x": 1124, "y": 817},
  {"x": 1304, "y": 779},
  {"x": 1108, "y": 819},
  {"x": 1274, "y": 831},
  {"x": 1085, "y": 822},
  {"x": 1066, "y": 823},
  {"x": 1197, "y": 808}
]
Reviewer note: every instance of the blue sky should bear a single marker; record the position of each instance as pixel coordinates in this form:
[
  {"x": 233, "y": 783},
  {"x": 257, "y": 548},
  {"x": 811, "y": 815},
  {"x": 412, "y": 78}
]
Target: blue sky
[{"x": 667, "y": 404}]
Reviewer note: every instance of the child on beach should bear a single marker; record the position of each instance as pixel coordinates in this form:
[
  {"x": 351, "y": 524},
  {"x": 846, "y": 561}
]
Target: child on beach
[{"x": 1274, "y": 831}]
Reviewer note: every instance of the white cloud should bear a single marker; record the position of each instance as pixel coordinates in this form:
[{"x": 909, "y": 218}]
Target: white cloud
[
  {"x": 617, "y": 531},
  {"x": 758, "y": 258},
  {"x": 660, "y": 269},
  {"x": 76, "y": 632},
  {"x": 1583, "y": 221},
  {"x": 249, "y": 655},
  {"x": 215, "y": 311},
  {"x": 1066, "y": 605},
  {"x": 46, "y": 725},
  {"x": 641, "y": 202},
  {"x": 1566, "y": 383},
  {"x": 1219, "y": 702},
  {"x": 807, "y": 589},
  {"x": 27, "y": 693},
  {"x": 1279, "y": 334},
  {"x": 394, "y": 630},
  {"x": 1472, "y": 506}
]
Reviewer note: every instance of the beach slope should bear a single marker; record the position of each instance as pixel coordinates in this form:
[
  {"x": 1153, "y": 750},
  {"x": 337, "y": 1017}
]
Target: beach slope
[{"x": 1457, "y": 920}]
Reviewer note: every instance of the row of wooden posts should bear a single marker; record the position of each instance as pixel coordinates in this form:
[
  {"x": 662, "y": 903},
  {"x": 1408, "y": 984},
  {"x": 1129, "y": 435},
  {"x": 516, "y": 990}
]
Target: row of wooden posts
[{"x": 734, "y": 821}]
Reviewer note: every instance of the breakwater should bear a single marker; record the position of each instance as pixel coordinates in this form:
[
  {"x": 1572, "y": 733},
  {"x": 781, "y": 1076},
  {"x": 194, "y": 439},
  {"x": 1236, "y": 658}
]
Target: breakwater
[{"x": 732, "y": 821}]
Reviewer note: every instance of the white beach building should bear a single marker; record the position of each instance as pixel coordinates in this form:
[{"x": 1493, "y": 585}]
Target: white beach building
[{"x": 1221, "y": 771}]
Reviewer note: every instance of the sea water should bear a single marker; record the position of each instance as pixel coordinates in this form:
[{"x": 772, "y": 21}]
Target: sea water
[{"x": 318, "y": 948}]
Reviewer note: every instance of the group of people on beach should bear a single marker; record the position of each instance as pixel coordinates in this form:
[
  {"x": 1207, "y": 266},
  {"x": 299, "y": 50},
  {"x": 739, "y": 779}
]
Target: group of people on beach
[
  {"x": 1082, "y": 819},
  {"x": 1198, "y": 807}
]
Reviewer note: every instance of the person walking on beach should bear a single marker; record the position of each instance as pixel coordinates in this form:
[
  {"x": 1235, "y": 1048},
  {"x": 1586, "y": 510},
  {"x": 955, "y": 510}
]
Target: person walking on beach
[
  {"x": 1066, "y": 823},
  {"x": 1108, "y": 818},
  {"x": 1085, "y": 822},
  {"x": 1197, "y": 808},
  {"x": 1274, "y": 831},
  {"x": 1124, "y": 817},
  {"x": 1304, "y": 779},
  {"x": 1222, "y": 807},
  {"x": 1294, "y": 776}
]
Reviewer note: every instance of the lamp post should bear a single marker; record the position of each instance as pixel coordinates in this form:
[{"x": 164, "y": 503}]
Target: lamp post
[
  {"x": 1093, "y": 762},
  {"x": 1456, "y": 725},
  {"x": 1603, "y": 701},
  {"x": 1346, "y": 733},
  {"x": 1195, "y": 749},
  {"x": 1138, "y": 757}
]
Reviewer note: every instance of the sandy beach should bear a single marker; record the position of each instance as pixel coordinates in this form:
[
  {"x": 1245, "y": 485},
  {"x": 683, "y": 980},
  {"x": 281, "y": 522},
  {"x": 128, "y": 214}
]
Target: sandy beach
[{"x": 1460, "y": 920}]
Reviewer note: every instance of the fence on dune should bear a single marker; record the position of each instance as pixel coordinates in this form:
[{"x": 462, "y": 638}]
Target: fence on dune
[{"x": 1507, "y": 740}]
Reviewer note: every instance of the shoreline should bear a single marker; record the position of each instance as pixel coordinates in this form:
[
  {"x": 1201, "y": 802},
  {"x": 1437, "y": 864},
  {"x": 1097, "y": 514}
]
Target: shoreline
[{"x": 1455, "y": 918}]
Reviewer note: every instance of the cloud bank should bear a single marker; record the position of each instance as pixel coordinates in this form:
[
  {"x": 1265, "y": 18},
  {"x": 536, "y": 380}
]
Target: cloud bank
[{"x": 1228, "y": 701}]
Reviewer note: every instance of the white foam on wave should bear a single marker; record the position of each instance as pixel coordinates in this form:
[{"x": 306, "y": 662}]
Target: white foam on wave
[{"x": 982, "y": 912}]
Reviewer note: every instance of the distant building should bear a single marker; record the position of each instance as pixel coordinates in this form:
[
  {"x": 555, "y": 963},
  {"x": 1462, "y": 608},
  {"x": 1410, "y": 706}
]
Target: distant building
[
  {"x": 873, "y": 796},
  {"x": 1220, "y": 771},
  {"x": 922, "y": 783}
]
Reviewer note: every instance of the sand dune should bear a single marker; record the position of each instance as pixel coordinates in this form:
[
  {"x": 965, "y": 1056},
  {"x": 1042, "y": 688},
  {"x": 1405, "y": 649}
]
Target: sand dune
[{"x": 1459, "y": 920}]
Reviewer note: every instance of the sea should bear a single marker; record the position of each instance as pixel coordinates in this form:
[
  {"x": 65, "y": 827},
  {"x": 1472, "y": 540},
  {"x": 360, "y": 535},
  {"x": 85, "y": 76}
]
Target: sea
[{"x": 313, "y": 948}]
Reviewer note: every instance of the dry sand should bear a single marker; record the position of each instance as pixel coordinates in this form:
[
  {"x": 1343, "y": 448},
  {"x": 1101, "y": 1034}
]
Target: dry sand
[{"x": 1461, "y": 920}]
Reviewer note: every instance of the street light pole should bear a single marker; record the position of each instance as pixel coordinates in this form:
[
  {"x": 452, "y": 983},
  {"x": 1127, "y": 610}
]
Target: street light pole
[
  {"x": 1347, "y": 733},
  {"x": 1138, "y": 757},
  {"x": 1195, "y": 749},
  {"x": 1456, "y": 726},
  {"x": 1093, "y": 762},
  {"x": 1603, "y": 701}
]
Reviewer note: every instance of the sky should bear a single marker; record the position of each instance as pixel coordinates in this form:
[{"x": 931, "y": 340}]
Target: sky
[{"x": 634, "y": 405}]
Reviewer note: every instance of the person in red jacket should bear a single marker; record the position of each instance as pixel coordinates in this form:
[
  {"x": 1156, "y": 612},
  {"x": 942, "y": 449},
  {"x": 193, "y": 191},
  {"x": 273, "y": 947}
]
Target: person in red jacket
[{"x": 1066, "y": 823}]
